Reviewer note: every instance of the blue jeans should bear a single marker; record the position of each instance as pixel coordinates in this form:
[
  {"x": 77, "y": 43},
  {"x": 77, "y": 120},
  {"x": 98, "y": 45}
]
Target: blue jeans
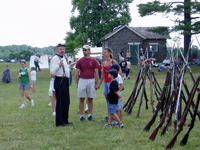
[
  {"x": 36, "y": 66},
  {"x": 127, "y": 72},
  {"x": 106, "y": 88},
  {"x": 179, "y": 63},
  {"x": 70, "y": 79},
  {"x": 99, "y": 74},
  {"x": 196, "y": 62},
  {"x": 161, "y": 68}
]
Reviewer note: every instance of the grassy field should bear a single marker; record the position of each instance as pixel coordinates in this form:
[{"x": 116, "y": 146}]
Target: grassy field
[{"x": 34, "y": 127}]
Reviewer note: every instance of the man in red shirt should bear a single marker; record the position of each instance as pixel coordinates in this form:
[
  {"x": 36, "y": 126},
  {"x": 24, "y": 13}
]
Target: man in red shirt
[{"x": 87, "y": 81}]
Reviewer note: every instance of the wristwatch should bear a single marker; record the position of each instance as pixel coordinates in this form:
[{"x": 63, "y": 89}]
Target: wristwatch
[{"x": 96, "y": 82}]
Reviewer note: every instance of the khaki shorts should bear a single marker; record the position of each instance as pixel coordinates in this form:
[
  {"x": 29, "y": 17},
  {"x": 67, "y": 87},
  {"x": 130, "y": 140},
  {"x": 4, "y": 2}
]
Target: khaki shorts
[
  {"x": 119, "y": 105},
  {"x": 86, "y": 87},
  {"x": 33, "y": 82}
]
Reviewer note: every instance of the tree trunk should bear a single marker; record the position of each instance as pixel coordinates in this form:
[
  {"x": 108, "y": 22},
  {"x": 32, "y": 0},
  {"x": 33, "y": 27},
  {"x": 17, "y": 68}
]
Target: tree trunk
[{"x": 187, "y": 32}]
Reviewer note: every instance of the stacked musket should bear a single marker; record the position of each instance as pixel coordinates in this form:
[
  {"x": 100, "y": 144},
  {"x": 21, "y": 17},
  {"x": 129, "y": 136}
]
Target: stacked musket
[
  {"x": 144, "y": 72},
  {"x": 173, "y": 101}
]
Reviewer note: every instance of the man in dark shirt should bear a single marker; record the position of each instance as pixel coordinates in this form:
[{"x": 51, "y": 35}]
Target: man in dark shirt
[{"x": 123, "y": 65}]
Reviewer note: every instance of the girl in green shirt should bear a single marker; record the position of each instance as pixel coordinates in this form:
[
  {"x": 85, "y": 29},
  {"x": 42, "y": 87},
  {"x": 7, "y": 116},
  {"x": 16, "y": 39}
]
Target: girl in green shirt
[{"x": 25, "y": 83}]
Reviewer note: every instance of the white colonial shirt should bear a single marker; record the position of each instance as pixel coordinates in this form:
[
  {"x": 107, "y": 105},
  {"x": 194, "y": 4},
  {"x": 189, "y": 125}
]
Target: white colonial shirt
[{"x": 56, "y": 70}]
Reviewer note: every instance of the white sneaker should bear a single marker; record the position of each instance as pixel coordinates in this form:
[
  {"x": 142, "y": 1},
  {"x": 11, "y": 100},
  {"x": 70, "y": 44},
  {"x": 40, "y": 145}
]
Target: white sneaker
[
  {"x": 54, "y": 114},
  {"x": 50, "y": 104},
  {"x": 32, "y": 103},
  {"x": 121, "y": 125},
  {"x": 22, "y": 106}
]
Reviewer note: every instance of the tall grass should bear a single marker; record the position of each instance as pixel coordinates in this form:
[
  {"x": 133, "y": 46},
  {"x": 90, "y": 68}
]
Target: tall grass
[{"x": 34, "y": 127}]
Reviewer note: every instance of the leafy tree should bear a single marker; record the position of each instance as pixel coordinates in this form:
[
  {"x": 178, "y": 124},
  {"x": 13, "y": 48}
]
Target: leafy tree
[
  {"x": 187, "y": 25},
  {"x": 71, "y": 48},
  {"x": 96, "y": 18},
  {"x": 25, "y": 54}
]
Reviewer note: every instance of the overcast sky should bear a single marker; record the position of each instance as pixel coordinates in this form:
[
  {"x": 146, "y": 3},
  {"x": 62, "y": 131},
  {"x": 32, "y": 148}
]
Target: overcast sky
[{"x": 41, "y": 23}]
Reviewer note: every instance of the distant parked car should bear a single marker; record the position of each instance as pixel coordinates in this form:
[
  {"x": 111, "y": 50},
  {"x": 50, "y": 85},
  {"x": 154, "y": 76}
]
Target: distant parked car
[
  {"x": 12, "y": 60},
  {"x": 8, "y": 60},
  {"x": 1, "y": 60}
]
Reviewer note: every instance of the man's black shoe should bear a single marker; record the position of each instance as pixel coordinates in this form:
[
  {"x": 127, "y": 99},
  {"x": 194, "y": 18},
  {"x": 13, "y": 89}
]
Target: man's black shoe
[
  {"x": 91, "y": 118},
  {"x": 65, "y": 124},
  {"x": 69, "y": 123},
  {"x": 82, "y": 119}
]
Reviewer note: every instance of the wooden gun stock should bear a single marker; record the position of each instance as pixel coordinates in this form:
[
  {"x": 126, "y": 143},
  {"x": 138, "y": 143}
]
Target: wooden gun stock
[
  {"x": 185, "y": 138},
  {"x": 183, "y": 118},
  {"x": 154, "y": 133},
  {"x": 151, "y": 122}
]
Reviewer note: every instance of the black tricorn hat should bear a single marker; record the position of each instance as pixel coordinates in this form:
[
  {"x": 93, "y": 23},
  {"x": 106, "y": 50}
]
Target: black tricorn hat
[{"x": 61, "y": 45}]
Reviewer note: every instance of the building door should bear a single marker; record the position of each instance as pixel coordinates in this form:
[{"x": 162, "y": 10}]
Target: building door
[{"x": 133, "y": 50}]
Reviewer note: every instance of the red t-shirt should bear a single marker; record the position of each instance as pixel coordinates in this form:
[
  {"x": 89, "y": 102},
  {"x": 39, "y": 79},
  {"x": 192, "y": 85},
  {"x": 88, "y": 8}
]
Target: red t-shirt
[
  {"x": 106, "y": 79},
  {"x": 99, "y": 67},
  {"x": 87, "y": 66},
  {"x": 192, "y": 58}
]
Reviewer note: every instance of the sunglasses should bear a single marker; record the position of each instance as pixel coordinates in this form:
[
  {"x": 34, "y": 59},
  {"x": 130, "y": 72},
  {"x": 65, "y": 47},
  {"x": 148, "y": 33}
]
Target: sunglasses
[{"x": 84, "y": 50}]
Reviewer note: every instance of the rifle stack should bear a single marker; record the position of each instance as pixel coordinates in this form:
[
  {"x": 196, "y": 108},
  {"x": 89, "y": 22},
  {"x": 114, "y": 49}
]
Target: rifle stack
[
  {"x": 170, "y": 101},
  {"x": 144, "y": 72}
]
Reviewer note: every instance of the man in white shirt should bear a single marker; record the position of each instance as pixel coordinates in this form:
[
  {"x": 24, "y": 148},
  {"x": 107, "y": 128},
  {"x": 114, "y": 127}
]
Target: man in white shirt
[
  {"x": 166, "y": 62},
  {"x": 61, "y": 70}
]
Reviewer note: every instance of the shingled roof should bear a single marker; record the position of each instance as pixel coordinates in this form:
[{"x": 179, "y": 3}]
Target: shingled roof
[{"x": 141, "y": 31}]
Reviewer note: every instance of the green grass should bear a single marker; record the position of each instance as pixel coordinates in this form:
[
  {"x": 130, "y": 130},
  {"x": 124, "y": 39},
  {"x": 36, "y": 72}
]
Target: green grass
[{"x": 34, "y": 127}]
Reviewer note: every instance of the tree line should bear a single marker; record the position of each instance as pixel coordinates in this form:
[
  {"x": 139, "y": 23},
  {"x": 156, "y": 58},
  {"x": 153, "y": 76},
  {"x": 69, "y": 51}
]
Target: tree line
[{"x": 24, "y": 51}]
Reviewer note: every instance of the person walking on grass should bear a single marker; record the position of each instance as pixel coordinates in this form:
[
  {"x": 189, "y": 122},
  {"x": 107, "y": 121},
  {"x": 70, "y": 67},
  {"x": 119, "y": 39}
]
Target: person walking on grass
[
  {"x": 25, "y": 83},
  {"x": 6, "y": 75},
  {"x": 36, "y": 62},
  {"x": 87, "y": 81},
  {"x": 113, "y": 97},
  {"x": 120, "y": 86},
  {"x": 33, "y": 78}
]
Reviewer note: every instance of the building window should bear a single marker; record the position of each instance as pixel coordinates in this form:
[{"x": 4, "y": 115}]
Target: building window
[{"x": 153, "y": 47}]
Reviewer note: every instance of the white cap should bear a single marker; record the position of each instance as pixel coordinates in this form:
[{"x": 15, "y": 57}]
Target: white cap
[{"x": 86, "y": 47}]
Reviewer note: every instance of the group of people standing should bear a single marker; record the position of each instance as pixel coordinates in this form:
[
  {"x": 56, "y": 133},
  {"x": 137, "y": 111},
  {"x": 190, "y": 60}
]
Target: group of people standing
[{"x": 87, "y": 77}]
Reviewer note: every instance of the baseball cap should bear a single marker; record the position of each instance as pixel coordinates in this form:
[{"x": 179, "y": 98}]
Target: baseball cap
[
  {"x": 112, "y": 72},
  {"x": 86, "y": 47},
  {"x": 114, "y": 66}
]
